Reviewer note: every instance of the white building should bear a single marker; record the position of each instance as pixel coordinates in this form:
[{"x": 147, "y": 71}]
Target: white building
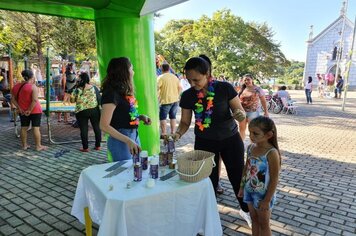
[{"x": 324, "y": 48}]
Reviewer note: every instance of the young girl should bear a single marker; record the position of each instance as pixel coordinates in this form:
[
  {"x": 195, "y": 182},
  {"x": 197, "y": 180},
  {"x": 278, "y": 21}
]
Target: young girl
[{"x": 260, "y": 175}]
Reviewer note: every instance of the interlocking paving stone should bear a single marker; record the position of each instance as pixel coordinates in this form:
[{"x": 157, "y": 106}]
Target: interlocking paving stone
[
  {"x": 43, "y": 227},
  {"x": 38, "y": 212},
  {"x": 73, "y": 232},
  {"x": 7, "y": 230},
  {"x": 315, "y": 195},
  {"x": 55, "y": 233},
  {"x": 14, "y": 221},
  {"x": 31, "y": 220},
  {"x": 62, "y": 226},
  {"x": 35, "y": 234},
  {"x": 25, "y": 229},
  {"x": 49, "y": 219}
]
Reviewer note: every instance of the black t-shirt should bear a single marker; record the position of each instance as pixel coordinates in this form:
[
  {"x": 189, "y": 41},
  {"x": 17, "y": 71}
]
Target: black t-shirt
[
  {"x": 120, "y": 117},
  {"x": 222, "y": 123}
]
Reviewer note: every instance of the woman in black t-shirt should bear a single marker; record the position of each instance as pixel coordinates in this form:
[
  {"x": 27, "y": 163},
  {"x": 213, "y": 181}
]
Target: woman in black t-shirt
[
  {"x": 119, "y": 115},
  {"x": 216, "y": 106}
]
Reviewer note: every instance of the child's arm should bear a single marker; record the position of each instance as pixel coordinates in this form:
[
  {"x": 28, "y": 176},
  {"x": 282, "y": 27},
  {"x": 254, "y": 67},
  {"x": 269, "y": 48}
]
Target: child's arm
[{"x": 274, "y": 168}]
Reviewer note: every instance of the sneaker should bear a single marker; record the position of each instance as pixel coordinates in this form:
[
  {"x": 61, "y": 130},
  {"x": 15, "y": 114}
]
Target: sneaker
[
  {"x": 84, "y": 149},
  {"x": 246, "y": 217},
  {"x": 97, "y": 148}
]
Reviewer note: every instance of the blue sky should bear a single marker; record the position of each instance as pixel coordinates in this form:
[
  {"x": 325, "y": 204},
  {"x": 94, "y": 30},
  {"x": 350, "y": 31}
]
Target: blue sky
[{"x": 289, "y": 19}]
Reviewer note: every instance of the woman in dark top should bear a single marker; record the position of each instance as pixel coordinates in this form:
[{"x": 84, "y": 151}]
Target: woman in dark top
[
  {"x": 119, "y": 115},
  {"x": 216, "y": 106}
]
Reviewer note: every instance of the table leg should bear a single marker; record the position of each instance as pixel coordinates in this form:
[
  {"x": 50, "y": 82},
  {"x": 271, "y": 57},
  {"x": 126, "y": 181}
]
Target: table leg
[{"x": 88, "y": 222}]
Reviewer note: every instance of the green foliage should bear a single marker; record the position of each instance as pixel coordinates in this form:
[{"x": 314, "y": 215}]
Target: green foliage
[
  {"x": 234, "y": 46},
  {"x": 292, "y": 74},
  {"x": 30, "y": 34},
  {"x": 170, "y": 42},
  {"x": 72, "y": 37}
]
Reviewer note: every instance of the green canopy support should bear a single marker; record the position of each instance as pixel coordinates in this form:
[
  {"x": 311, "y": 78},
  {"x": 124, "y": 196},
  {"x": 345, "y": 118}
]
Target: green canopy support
[
  {"x": 134, "y": 38},
  {"x": 48, "y": 84}
]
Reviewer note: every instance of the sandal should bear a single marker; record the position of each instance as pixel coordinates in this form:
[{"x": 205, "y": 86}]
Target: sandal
[{"x": 219, "y": 189}]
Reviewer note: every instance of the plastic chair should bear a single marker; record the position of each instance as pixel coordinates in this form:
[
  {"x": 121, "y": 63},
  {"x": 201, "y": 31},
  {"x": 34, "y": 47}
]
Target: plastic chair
[{"x": 288, "y": 108}]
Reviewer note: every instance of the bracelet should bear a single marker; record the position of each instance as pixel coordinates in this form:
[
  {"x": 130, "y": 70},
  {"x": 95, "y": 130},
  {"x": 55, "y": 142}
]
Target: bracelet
[{"x": 180, "y": 135}]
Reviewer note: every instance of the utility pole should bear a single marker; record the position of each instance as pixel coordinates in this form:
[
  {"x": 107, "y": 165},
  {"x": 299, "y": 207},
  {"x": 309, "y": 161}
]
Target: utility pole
[
  {"x": 349, "y": 63},
  {"x": 341, "y": 45}
]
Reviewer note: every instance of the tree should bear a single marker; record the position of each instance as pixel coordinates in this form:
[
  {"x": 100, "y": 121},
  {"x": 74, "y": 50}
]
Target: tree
[
  {"x": 264, "y": 54},
  {"x": 235, "y": 47},
  {"x": 28, "y": 33},
  {"x": 292, "y": 74},
  {"x": 170, "y": 42},
  {"x": 73, "y": 38}
]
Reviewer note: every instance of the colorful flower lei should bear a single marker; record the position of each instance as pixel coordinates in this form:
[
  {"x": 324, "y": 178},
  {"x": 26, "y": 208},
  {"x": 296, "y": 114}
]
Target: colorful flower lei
[
  {"x": 133, "y": 112},
  {"x": 203, "y": 119}
]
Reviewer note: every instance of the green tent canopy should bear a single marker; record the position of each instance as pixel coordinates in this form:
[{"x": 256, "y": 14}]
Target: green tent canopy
[{"x": 123, "y": 28}]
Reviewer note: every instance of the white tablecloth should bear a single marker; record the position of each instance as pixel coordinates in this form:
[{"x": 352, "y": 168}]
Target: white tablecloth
[{"x": 171, "y": 207}]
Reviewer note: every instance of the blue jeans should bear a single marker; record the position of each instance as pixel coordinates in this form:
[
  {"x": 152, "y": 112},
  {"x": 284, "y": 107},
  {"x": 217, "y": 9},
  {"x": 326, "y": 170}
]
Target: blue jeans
[
  {"x": 338, "y": 91},
  {"x": 119, "y": 150},
  {"x": 308, "y": 95}
]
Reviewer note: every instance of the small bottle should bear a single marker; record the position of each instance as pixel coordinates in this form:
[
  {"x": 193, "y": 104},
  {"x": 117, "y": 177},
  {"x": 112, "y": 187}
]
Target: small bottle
[
  {"x": 154, "y": 167},
  {"x": 169, "y": 158},
  {"x": 144, "y": 160},
  {"x": 170, "y": 145},
  {"x": 137, "y": 172},
  {"x": 162, "y": 159},
  {"x": 136, "y": 158}
]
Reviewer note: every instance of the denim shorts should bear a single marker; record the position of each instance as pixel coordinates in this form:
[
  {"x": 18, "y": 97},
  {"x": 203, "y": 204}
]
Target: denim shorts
[
  {"x": 250, "y": 115},
  {"x": 166, "y": 109},
  {"x": 255, "y": 199},
  {"x": 119, "y": 150}
]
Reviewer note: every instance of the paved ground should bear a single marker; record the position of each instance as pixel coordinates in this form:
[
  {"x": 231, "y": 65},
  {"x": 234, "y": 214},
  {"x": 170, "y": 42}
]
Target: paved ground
[{"x": 316, "y": 193}]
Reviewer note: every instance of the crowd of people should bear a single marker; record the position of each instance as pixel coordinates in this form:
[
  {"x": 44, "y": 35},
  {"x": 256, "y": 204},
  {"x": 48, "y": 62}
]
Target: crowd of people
[
  {"x": 324, "y": 86},
  {"x": 223, "y": 113}
]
